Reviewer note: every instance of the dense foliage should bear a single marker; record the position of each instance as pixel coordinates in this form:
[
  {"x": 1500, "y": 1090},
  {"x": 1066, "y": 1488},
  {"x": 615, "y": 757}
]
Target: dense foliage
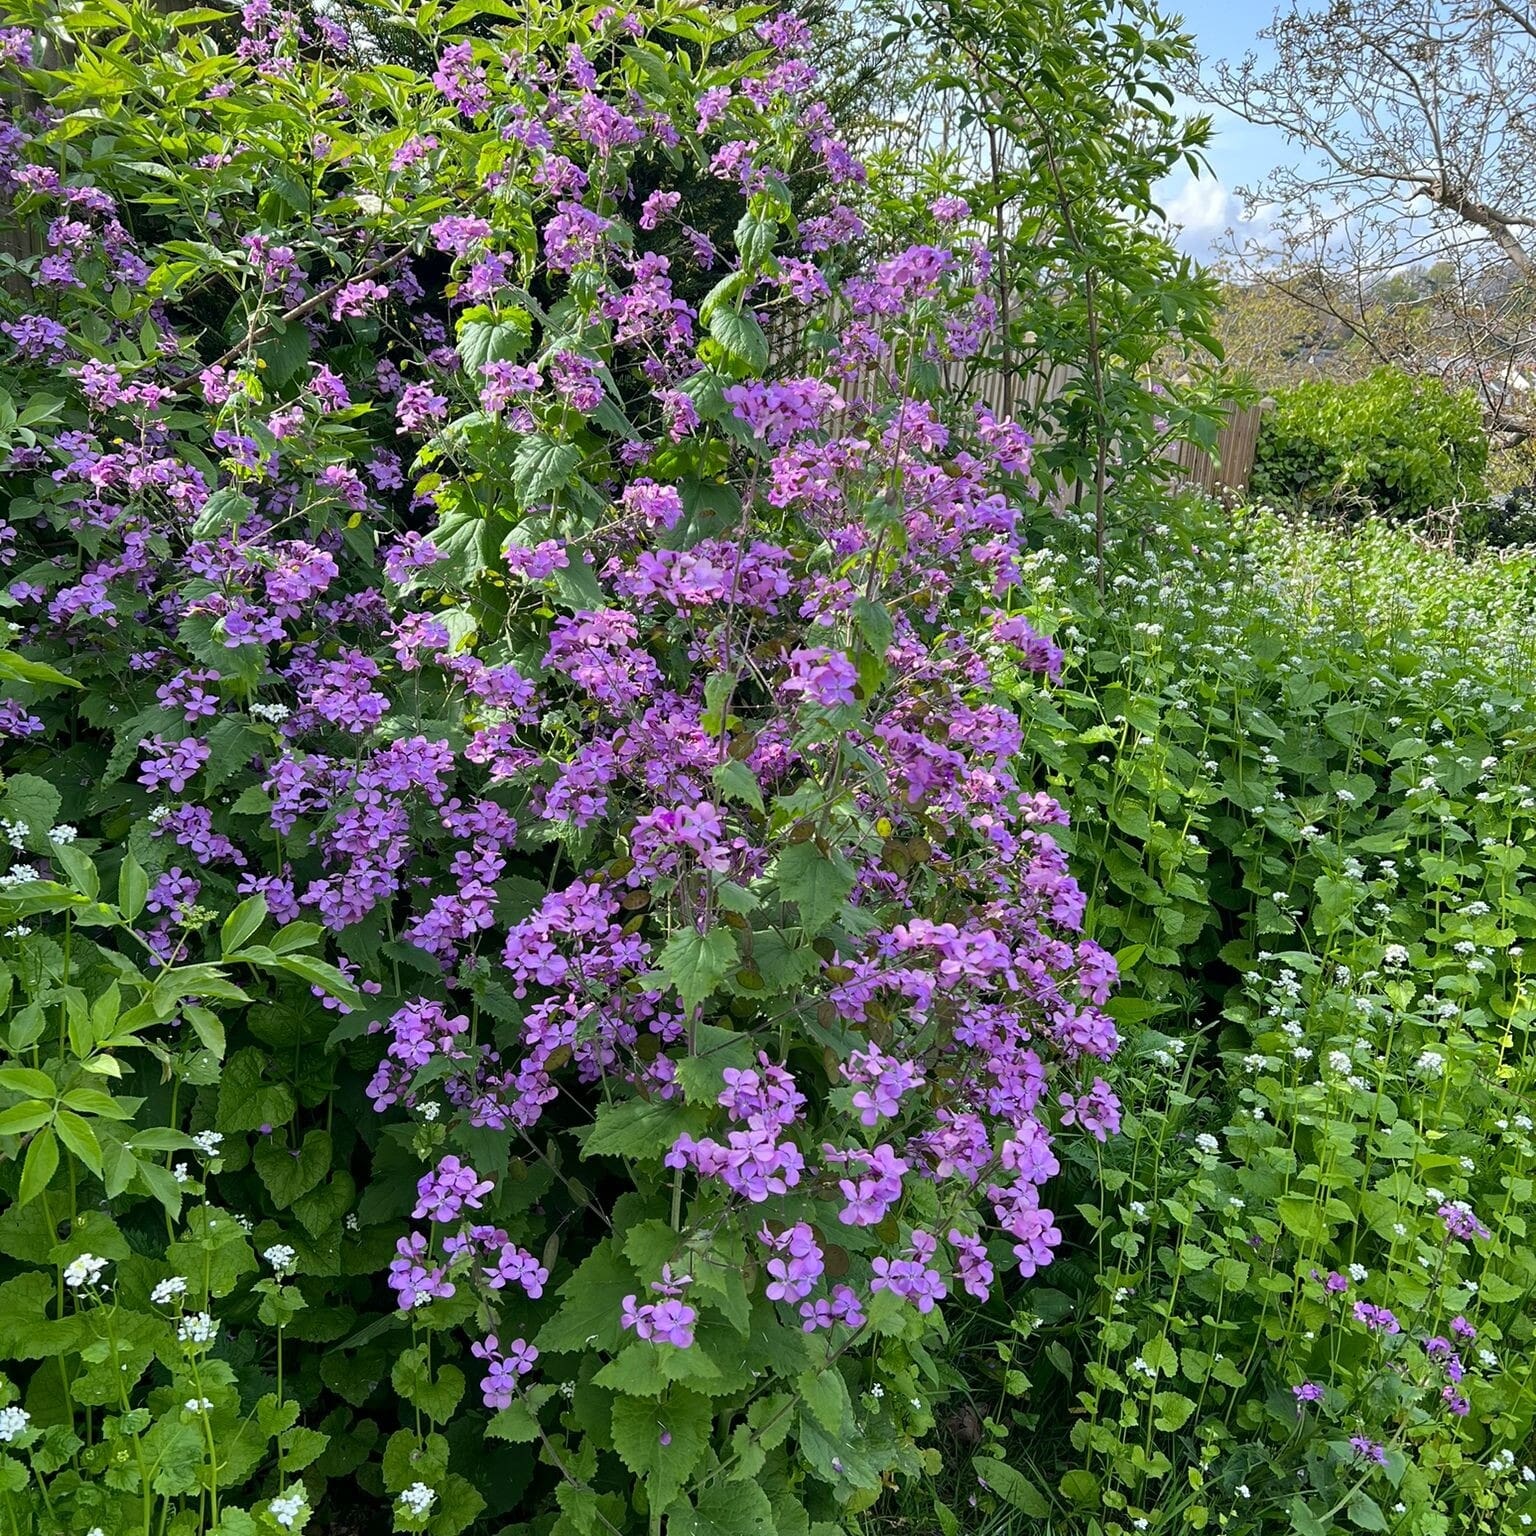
[
  {"x": 565, "y": 932},
  {"x": 520, "y": 922},
  {"x": 1391, "y": 444},
  {"x": 1297, "y": 1291}
]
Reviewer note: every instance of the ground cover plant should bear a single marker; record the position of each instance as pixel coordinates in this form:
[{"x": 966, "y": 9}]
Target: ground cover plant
[
  {"x": 530, "y": 971},
  {"x": 1298, "y": 1292}
]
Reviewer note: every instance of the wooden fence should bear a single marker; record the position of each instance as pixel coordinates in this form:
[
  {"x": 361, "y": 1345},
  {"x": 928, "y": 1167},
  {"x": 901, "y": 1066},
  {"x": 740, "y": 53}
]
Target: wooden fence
[{"x": 1227, "y": 469}]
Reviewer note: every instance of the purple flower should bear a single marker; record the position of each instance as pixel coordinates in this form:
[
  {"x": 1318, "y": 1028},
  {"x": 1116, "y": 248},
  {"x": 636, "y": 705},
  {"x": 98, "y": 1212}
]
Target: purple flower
[
  {"x": 418, "y": 407},
  {"x": 1377, "y": 1319},
  {"x": 1307, "y": 1392},
  {"x": 1368, "y": 1450},
  {"x": 453, "y": 1187},
  {"x": 1460, "y": 1222},
  {"x": 824, "y": 676}
]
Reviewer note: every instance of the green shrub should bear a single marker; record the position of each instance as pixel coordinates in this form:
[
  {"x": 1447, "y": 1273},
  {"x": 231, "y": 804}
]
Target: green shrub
[
  {"x": 1391, "y": 444},
  {"x": 1299, "y": 765}
]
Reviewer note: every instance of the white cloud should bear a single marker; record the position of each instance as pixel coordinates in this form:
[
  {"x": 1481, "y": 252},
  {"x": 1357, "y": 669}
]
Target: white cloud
[{"x": 1200, "y": 210}]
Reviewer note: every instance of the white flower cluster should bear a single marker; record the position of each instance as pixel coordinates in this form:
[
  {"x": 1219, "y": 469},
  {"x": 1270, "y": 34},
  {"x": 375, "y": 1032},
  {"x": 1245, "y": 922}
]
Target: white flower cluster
[
  {"x": 197, "y": 1328},
  {"x": 418, "y": 1499},
  {"x": 168, "y": 1290},
  {"x": 282, "y": 1258},
  {"x": 286, "y": 1508},
  {"x": 84, "y": 1272},
  {"x": 13, "y": 1422}
]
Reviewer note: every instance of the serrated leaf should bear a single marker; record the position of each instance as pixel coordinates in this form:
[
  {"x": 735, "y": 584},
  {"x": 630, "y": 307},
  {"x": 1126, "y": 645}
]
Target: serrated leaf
[
  {"x": 736, "y": 781},
  {"x": 640, "y": 1128},
  {"x": 541, "y": 465},
  {"x": 696, "y": 963},
  {"x": 818, "y": 883},
  {"x": 662, "y": 1443}
]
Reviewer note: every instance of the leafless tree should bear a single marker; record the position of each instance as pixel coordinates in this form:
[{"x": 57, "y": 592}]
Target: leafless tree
[{"x": 1409, "y": 216}]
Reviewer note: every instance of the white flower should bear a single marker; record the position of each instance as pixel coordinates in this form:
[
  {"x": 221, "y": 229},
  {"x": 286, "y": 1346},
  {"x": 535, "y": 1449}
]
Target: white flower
[
  {"x": 209, "y": 1142},
  {"x": 286, "y": 1508},
  {"x": 168, "y": 1290},
  {"x": 1429, "y": 1064},
  {"x": 1399, "y": 1229},
  {"x": 15, "y": 832},
  {"x": 281, "y": 1257},
  {"x": 1207, "y": 1143},
  {"x": 198, "y": 1404},
  {"x": 1338, "y": 1061},
  {"x": 1242, "y": 1491},
  {"x": 418, "y": 1499},
  {"x": 84, "y": 1271},
  {"x": 877, "y": 1391},
  {"x": 1255, "y": 1062},
  {"x": 274, "y": 714},
  {"x": 1345, "y": 796},
  {"x": 429, "y": 1112},
  {"x": 63, "y": 833},
  {"x": 181, "y": 1173},
  {"x": 1359, "y": 1273},
  {"x": 13, "y": 1422},
  {"x": 351, "y": 1222},
  {"x": 196, "y": 1328},
  {"x": 1395, "y": 954}
]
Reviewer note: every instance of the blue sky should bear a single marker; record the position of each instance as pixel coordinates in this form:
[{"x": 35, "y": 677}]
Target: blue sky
[{"x": 1240, "y": 153}]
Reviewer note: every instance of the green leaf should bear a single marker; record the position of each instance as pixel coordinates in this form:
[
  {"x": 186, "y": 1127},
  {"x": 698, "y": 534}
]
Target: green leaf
[
  {"x": 19, "y": 669},
  {"x": 132, "y": 887},
  {"x": 826, "y": 1395},
  {"x": 736, "y": 781},
  {"x": 1161, "y": 1355},
  {"x": 817, "y": 883},
  {"x": 40, "y": 1166},
  {"x": 542, "y": 465},
  {"x": 77, "y": 1135},
  {"x": 227, "y": 508},
  {"x": 32, "y": 800},
  {"x": 726, "y": 1509},
  {"x": 696, "y": 963},
  {"x": 242, "y": 923},
  {"x": 288, "y": 1175},
  {"x": 1011, "y": 1486},
  {"x": 592, "y": 1299},
  {"x": 437, "y": 1396},
  {"x": 247, "y": 1100},
  {"x": 1303, "y": 1521},
  {"x": 1302, "y": 1218},
  {"x": 1366, "y": 1513},
  {"x": 482, "y": 339},
  {"x": 662, "y": 1443},
  {"x": 24, "y": 1117},
  {"x": 874, "y": 624},
  {"x": 741, "y": 337},
  {"x": 1173, "y": 1410},
  {"x": 640, "y": 1128},
  {"x": 28, "y": 1080}
]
